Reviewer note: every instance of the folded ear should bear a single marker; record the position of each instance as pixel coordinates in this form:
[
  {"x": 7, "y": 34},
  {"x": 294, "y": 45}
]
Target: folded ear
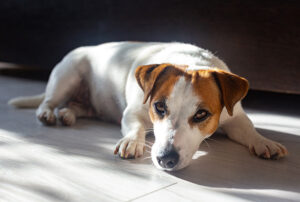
[
  {"x": 233, "y": 88},
  {"x": 147, "y": 75}
]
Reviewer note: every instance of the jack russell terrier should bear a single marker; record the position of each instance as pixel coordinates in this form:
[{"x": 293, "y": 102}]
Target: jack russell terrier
[{"x": 180, "y": 91}]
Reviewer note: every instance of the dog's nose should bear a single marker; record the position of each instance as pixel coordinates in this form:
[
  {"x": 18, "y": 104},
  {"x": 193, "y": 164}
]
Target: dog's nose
[{"x": 169, "y": 159}]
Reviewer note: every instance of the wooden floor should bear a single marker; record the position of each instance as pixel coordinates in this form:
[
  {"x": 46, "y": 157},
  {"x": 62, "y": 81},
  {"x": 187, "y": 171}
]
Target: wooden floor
[{"x": 40, "y": 163}]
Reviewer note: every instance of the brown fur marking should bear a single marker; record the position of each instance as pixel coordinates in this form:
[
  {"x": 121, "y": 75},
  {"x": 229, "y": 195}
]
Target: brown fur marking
[{"x": 216, "y": 88}]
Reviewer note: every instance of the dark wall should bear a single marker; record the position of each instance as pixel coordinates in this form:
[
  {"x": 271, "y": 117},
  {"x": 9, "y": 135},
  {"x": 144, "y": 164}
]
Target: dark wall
[{"x": 257, "y": 39}]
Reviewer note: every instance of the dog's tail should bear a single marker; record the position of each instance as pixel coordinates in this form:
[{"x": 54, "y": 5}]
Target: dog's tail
[{"x": 27, "y": 101}]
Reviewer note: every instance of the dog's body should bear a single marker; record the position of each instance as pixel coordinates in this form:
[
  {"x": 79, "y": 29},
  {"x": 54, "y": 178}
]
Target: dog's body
[{"x": 185, "y": 103}]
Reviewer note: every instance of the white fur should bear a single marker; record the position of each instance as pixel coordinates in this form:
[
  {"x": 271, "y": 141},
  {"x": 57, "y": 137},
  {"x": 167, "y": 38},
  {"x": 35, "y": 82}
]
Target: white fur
[
  {"x": 174, "y": 129},
  {"x": 108, "y": 70}
]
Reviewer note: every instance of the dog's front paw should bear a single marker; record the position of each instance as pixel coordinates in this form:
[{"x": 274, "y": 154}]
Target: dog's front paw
[
  {"x": 46, "y": 116},
  {"x": 267, "y": 149},
  {"x": 130, "y": 147}
]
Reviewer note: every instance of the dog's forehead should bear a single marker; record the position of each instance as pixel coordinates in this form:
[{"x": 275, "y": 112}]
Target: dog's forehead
[
  {"x": 183, "y": 93},
  {"x": 194, "y": 87},
  {"x": 183, "y": 99},
  {"x": 188, "y": 88}
]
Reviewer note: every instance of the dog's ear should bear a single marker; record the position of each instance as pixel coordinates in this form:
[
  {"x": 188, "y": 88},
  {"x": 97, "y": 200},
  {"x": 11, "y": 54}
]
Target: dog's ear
[
  {"x": 233, "y": 88},
  {"x": 146, "y": 77}
]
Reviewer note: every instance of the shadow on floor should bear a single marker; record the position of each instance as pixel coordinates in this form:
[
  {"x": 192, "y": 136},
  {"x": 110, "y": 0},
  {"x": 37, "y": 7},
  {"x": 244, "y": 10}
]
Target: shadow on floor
[{"x": 229, "y": 165}]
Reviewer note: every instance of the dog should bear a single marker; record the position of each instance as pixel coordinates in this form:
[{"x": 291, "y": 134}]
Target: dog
[{"x": 179, "y": 91}]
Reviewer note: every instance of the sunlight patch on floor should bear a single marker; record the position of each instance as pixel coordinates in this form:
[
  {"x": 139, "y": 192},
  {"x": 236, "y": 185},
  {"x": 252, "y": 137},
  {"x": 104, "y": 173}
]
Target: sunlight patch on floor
[
  {"x": 35, "y": 170},
  {"x": 281, "y": 123},
  {"x": 265, "y": 193},
  {"x": 198, "y": 154}
]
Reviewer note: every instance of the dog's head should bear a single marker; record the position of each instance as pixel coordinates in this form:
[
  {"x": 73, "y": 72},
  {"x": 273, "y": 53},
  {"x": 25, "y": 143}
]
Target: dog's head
[{"x": 185, "y": 108}]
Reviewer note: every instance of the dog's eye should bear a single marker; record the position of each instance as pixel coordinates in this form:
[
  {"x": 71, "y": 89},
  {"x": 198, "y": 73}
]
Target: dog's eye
[
  {"x": 201, "y": 115},
  {"x": 160, "y": 108}
]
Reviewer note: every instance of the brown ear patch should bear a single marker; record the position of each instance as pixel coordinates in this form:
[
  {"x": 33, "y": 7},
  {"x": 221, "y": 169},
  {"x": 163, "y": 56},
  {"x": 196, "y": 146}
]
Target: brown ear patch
[
  {"x": 233, "y": 88},
  {"x": 148, "y": 76},
  {"x": 205, "y": 87}
]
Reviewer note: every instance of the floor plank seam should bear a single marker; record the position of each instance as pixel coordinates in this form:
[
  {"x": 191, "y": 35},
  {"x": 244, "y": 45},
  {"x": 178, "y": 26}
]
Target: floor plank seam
[{"x": 151, "y": 192}]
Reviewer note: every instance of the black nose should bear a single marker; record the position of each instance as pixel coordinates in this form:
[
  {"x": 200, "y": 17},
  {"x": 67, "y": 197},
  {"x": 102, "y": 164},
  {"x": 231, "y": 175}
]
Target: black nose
[{"x": 168, "y": 159}]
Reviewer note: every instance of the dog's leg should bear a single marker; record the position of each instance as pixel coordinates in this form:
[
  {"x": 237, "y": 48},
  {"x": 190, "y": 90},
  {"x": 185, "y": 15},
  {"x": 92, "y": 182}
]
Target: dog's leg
[
  {"x": 70, "y": 113},
  {"x": 133, "y": 143},
  {"x": 240, "y": 129},
  {"x": 63, "y": 81},
  {"x": 58, "y": 90}
]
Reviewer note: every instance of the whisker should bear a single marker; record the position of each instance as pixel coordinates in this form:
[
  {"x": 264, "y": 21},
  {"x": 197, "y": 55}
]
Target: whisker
[
  {"x": 144, "y": 144},
  {"x": 150, "y": 143},
  {"x": 141, "y": 143},
  {"x": 148, "y": 146},
  {"x": 209, "y": 138},
  {"x": 149, "y": 157},
  {"x": 149, "y": 130},
  {"x": 206, "y": 143}
]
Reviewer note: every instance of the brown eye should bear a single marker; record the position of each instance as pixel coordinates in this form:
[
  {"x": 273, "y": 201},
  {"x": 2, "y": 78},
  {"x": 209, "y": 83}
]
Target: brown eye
[
  {"x": 200, "y": 115},
  {"x": 160, "y": 108}
]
